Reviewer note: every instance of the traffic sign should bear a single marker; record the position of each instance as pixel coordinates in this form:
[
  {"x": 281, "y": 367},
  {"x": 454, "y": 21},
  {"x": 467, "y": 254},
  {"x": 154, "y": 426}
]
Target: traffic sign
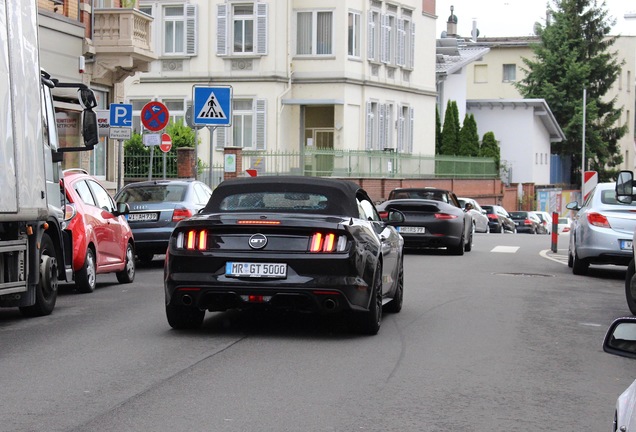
[
  {"x": 166, "y": 143},
  {"x": 212, "y": 106},
  {"x": 121, "y": 115},
  {"x": 155, "y": 116}
]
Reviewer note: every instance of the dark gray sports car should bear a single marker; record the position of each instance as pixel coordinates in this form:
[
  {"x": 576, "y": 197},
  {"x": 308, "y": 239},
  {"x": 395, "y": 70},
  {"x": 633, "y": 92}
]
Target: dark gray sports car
[{"x": 285, "y": 242}]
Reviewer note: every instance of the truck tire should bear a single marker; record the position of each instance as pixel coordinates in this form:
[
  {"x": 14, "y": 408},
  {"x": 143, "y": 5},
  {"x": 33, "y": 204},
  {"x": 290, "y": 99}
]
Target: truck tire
[
  {"x": 46, "y": 291},
  {"x": 86, "y": 277}
]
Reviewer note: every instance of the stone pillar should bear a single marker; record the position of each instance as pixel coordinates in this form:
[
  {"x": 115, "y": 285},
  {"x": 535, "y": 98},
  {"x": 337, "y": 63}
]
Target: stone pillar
[
  {"x": 237, "y": 153},
  {"x": 186, "y": 166}
]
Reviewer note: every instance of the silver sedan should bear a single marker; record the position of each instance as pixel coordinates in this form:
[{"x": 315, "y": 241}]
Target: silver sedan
[
  {"x": 602, "y": 230},
  {"x": 480, "y": 220}
]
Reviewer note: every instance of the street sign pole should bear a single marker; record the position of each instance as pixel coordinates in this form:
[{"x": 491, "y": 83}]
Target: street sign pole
[
  {"x": 152, "y": 152},
  {"x": 211, "y": 129}
]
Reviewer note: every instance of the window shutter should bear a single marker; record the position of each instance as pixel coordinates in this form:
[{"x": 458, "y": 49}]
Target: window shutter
[
  {"x": 384, "y": 43},
  {"x": 400, "y": 143},
  {"x": 191, "y": 29},
  {"x": 221, "y": 137},
  {"x": 369, "y": 133},
  {"x": 401, "y": 43},
  {"x": 261, "y": 28},
  {"x": 382, "y": 125},
  {"x": 221, "y": 29},
  {"x": 411, "y": 124},
  {"x": 371, "y": 38},
  {"x": 389, "y": 126},
  {"x": 261, "y": 124},
  {"x": 411, "y": 61}
]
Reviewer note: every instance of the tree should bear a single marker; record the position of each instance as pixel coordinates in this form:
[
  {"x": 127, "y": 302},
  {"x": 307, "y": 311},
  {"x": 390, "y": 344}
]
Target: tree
[
  {"x": 468, "y": 137},
  {"x": 182, "y": 135},
  {"x": 450, "y": 132},
  {"x": 489, "y": 148},
  {"x": 438, "y": 132},
  {"x": 575, "y": 54}
]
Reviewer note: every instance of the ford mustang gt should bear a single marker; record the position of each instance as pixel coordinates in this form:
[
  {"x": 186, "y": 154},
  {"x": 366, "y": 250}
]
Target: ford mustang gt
[{"x": 284, "y": 242}]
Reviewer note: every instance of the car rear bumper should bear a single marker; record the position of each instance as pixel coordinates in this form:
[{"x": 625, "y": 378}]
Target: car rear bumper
[
  {"x": 152, "y": 240},
  {"x": 603, "y": 246}
]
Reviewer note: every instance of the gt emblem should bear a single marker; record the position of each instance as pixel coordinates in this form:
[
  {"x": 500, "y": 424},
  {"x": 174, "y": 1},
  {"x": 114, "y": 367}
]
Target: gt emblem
[{"x": 257, "y": 241}]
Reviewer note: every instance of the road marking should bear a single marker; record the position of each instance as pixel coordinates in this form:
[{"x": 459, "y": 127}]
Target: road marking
[
  {"x": 505, "y": 249},
  {"x": 560, "y": 258}
]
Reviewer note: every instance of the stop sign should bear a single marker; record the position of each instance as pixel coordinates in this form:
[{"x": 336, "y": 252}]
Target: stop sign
[{"x": 166, "y": 143}]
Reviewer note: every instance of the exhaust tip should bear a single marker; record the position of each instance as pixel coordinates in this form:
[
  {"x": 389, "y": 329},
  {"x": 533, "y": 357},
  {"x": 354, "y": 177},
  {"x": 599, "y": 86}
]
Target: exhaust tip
[
  {"x": 330, "y": 304},
  {"x": 186, "y": 300}
]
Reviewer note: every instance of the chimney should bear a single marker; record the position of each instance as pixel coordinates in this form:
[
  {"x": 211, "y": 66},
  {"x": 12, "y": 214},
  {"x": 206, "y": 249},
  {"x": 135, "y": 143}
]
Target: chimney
[{"x": 451, "y": 24}]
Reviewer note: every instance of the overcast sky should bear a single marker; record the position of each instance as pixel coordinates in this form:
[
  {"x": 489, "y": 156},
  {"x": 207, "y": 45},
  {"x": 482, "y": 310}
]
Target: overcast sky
[{"x": 496, "y": 18}]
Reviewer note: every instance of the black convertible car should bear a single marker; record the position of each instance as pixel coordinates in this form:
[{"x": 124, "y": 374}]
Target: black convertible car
[{"x": 285, "y": 242}]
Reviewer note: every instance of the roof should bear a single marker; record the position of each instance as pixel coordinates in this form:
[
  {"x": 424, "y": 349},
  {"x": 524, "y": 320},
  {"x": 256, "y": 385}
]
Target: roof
[
  {"x": 540, "y": 106},
  {"x": 451, "y": 58},
  {"x": 341, "y": 193}
]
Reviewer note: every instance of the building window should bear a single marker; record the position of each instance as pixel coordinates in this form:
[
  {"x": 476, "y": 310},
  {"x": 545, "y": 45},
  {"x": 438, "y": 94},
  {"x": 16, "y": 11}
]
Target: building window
[
  {"x": 137, "y": 105},
  {"x": 509, "y": 72},
  {"x": 406, "y": 43},
  {"x": 179, "y": 29},
  {"x": 405, "y": 129},
  {"x": 243, "y": 24},
  {"x": 176, "y": 108},
  {"x": 314, "y": 33},
  {"x": 354, "y": 34},
  {"x": 389, "y": 39},
  {"x": 481, "y": 74},
  {"x": 372, "y": 126},
  {"x": 249, "y": 126}
]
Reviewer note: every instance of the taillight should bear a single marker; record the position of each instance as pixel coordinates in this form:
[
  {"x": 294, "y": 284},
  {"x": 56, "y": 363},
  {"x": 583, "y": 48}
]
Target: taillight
[
  {"x": 327, "y": 243},
  {"x": 444, "y": 216},
  {"x": 598, "y": 220},
  {"x": 192, "y": 240},
  {"x": 180, "y": 214},
  {"x": 493, "y": 216},
  {"x": 527, "y": 222},
  {"x": 69, "y": 212},
  {"x": 384, "y": 215},
  {"x": 258, "y": 222}
]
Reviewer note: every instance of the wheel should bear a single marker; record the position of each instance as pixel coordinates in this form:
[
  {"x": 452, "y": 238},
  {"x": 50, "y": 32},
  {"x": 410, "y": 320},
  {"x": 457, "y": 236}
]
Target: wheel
[
  {"x": 369, "y": 321},
  {"x": 579, "y": 266},
  {"x": 469, "y": 245},
  {"x": 630, "y": 287},
  {"x": 570, "y": 258},
  {"x": 395, "y": 305},
  {"x": 127, "y": 275},
  {"x": 86, "y": 277},
  {"x": 46, "y": 291},
  {"x": 184, "y": 317},
  {"x": 145, "y": 257}
]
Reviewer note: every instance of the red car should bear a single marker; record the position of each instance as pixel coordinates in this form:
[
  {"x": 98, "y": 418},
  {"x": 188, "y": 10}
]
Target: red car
[{"x": 102, "y": 239}]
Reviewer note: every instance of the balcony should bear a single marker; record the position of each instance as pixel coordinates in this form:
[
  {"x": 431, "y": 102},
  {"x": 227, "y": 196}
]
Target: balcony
[{"x": 122, "y": 44}]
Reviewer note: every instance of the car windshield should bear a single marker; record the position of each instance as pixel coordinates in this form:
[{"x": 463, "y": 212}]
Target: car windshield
[
  {"x": 153, "y": 193},
  {"x": 275, "y": 201}
]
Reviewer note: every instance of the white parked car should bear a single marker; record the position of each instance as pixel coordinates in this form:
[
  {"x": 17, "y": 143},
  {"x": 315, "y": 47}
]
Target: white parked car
[
  {"x": 621, "y": 340},
  {"x": 564, "y": 225},
  {"x": 480, "y": 220},
  {"x": 546, "y": 220}
]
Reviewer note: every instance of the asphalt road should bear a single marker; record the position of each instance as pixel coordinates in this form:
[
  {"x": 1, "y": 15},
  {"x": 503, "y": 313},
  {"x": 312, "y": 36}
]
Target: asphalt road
[{"x": 504, "y": 338}]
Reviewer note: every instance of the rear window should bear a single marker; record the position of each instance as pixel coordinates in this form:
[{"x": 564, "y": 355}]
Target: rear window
[
  {"x": 275, "y": 201},
  {"x": 563, "y": 221},
  {"x": 519, "y": 215},
  {"x": 609, "y": 197},
  {"x": 153, "y": 193}
]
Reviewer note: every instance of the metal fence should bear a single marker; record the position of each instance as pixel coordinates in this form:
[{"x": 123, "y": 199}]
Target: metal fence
[{"x": 323, "y": 163}]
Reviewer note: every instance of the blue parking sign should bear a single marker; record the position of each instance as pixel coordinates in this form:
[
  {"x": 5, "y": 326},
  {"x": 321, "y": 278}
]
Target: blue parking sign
[
  {"x": 212, "y": 106},
  {"x": 121, "y": 115}
]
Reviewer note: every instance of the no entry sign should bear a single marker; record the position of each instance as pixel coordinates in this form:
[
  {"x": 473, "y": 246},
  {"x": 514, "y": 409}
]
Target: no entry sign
[{"x": 166, "y": 143}]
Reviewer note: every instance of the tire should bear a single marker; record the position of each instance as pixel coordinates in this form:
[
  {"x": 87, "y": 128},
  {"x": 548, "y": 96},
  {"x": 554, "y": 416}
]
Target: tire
[
  {"x": 184, "y": 317},
  {"x": 145, "y": 257},
  {"x": 579, "y": 266},
  {"x": 86, "y": 277},
  {"x": 630, "y": 287},
  {"x": 395, "y": 305},
  {"x": 46, "y": 291},
  {"x": 127, "y": 275},
  {"x": 570, "y": 259},
  {"x": 458, "y": 249},
  {"x": 369, "y": 321}
]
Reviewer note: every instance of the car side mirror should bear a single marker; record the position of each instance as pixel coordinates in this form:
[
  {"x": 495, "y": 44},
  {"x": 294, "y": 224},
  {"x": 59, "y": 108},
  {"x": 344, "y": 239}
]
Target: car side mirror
[
  {"x": 625, "y": 187},
  {"x": 621, "y": 338},
  {"x": 122, "y": 209},
  {"x": 574, "y": 205}
]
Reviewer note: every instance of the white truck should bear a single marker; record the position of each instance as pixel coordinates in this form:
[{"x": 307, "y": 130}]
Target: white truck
[{"x": 35, "y": 250}]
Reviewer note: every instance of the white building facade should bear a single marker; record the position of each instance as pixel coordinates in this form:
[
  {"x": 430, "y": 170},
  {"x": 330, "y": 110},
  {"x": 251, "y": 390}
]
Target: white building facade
[{"x": 339, "y": 74}]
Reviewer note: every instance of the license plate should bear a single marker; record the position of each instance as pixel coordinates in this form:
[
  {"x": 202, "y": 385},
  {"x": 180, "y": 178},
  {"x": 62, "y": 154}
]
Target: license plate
[
  {"x": 255, "y": 270},
  {"x": 142, "y": 217},
  {"x": 626, "y": 244},
  {"x": 411, "y": 230}
]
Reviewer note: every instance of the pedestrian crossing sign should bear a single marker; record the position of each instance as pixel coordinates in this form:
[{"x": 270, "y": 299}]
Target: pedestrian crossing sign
[{"x": 212, "y": 106}]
